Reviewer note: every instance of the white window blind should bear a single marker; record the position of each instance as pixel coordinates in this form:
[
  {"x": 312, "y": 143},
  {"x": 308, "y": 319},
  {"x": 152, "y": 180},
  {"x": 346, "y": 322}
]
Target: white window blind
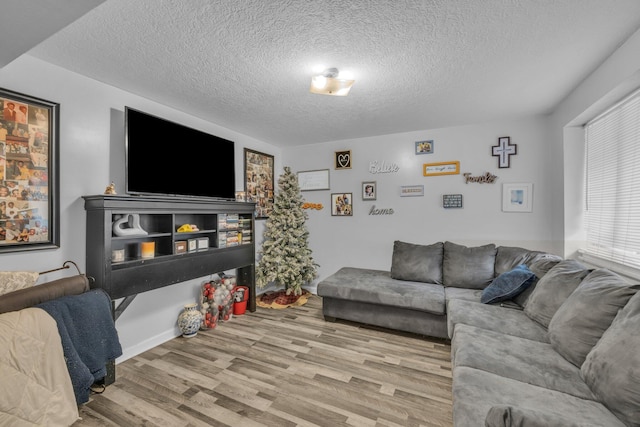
[{"x": 612, "y": 184}]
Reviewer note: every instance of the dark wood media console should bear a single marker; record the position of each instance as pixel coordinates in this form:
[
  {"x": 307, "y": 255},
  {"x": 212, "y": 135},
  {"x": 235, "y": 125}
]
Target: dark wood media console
[{"x": 223, "y": 241}]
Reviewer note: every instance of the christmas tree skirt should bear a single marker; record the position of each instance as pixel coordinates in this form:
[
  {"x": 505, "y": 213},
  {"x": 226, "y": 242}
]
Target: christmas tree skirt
[{"x": 280, "y": 299}]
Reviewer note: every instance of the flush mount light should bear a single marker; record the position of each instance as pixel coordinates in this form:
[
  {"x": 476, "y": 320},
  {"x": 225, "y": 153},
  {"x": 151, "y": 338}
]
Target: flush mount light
[{"x": 328, "y": 83}]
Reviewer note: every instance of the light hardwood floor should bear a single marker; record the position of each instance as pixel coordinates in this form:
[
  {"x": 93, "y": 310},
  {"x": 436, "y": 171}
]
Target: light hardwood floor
[{"x": 282, "y": 368}]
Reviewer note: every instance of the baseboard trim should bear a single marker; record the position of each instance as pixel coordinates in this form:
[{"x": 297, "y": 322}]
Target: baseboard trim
[{"x": 148, "y": 344}]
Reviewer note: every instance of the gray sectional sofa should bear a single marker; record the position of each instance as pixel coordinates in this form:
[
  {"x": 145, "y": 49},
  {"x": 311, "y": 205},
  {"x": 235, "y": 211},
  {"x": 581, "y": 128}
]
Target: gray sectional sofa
[{"x": 536, "y": 340}]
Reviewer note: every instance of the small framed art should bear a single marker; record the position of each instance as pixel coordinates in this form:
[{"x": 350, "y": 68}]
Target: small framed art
[
  {"x": 411, "y": 190},
  {"x": 342, "y": 204},
  {"x": 450, "y": 201},
  {"x": 343, "y": 159},
  {"x": 369, "y": 190},
  {"x": 517, "y": 197},
  {"x": 424, "y": 147}
]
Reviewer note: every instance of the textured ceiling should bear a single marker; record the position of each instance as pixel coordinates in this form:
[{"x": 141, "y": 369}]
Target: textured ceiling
[
  {"x": 418, "y": 64},
  {"x": 25, "y": 23}
]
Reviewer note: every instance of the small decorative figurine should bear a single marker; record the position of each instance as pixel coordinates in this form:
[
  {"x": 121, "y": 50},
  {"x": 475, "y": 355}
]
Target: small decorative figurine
[
  {"x": 111, "y": 189},
  {"x": 128, "y": 225}
]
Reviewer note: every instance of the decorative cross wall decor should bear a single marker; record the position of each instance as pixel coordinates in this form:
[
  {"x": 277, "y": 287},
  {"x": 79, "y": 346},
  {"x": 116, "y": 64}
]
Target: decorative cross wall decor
[{"x": 503, "y": 151}]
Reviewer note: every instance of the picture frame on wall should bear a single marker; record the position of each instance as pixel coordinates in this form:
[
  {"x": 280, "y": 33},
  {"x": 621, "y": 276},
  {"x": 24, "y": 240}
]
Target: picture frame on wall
[
  {"x": 517, "y": 197},
  {"x": 441, "y": 168},
  {"x": 259, "y": 181},
  {"x": 29, "y": 189},
  {"x": 343, "y": 159},
  {"x": 313, "y": 180},
  {"x": 411, "y": 190},
  {"x": 342, "y": 204},
  {"x": 369, "y": 190},
  {"x": 424, "y": 147}
]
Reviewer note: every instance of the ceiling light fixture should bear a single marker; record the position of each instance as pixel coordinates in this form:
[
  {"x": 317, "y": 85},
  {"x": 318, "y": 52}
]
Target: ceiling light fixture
[{"x": 328, "y": 83}]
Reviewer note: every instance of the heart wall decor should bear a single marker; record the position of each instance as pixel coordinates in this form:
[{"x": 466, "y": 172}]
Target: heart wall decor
[{"x": 343, "y": 159}]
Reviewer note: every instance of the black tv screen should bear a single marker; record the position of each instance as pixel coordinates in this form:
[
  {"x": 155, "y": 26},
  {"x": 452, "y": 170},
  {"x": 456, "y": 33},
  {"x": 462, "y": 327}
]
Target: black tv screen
[{"x": 169, "y": 159}]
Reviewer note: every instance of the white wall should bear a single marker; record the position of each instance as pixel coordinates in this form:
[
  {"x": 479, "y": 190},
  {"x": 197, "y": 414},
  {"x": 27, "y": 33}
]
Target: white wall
[
  {"x": 366, "y": 241},
  {"x": 91, "y": 156}
]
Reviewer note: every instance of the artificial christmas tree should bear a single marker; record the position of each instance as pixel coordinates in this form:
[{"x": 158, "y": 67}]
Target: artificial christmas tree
[{"x": 285, "y": 255}]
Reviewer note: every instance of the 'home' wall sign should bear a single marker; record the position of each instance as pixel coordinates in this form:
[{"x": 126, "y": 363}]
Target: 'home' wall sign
[{"x": 376, "y": 211}]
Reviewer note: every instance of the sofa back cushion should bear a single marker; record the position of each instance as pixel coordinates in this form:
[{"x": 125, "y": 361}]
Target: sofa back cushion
[
  {"x": 417, "y": 263},
  {"x": 509, "y": 257},
  {"x": 464, "y": 267},
  {"x": 582, "y": 319},
  {"x": 540, "y": 266},
  {"x": 612, "y": 368},
  {"x": 553, "y": 289}
]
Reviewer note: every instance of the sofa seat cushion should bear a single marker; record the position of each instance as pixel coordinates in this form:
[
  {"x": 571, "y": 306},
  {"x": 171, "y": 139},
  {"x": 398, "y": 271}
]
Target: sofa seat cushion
[
  {"x": 464, "y": 267},
  {"x": 582, "y": 319},
  {"x": 377, "y": 287},
  {"x": 462, "y": 293},
  {"x": 476, "y": 391},
  {"x": 612, "y": 368},
  {"x": 553, "y": 289},
  {"x": 530, "y": 362},
  {"x": 495, "y": 318}
]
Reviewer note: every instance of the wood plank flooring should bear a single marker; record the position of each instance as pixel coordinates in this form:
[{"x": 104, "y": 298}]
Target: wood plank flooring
[{"x": 282, "y": 368}]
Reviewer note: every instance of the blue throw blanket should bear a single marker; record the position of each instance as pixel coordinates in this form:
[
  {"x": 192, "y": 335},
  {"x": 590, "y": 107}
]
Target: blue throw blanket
[{"x": 89, "y": 337}]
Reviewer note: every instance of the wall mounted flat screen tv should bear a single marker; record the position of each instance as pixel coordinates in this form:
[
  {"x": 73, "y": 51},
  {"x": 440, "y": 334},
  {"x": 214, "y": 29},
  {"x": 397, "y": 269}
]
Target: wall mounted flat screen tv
[{"x": 164, "y": 158}]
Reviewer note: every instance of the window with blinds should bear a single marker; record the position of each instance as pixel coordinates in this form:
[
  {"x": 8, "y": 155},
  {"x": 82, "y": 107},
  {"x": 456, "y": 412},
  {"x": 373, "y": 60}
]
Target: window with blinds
[{"x": 612, "y": 184}]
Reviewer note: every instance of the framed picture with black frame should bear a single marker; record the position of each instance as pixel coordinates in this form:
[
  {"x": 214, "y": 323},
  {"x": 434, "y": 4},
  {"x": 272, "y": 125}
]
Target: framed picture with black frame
[
  {"x": 29, "y": 160},
  {"x": 259, "y": 181}
]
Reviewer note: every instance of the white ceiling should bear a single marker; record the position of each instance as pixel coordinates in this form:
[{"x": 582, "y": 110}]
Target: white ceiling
[{"x": 418, "y": 64}]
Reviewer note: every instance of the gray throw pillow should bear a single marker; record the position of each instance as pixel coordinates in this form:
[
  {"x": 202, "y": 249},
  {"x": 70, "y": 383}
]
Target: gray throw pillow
[
  {"x": 508, "y": 285},
  {"x": 612, "y": 368},
  {"x": 582, "y": 319},
  {"x": 471, "y": 268},
  {"x": 417, "y": 263},
  {"x": 553, "y": 289}
]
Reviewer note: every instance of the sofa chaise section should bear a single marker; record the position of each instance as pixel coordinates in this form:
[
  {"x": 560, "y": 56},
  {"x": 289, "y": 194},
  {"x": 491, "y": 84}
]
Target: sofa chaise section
[{"x": 373, "y": 297}]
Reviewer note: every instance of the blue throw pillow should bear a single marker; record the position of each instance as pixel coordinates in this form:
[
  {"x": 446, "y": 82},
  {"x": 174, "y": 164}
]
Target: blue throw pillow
[{"x": 508, "y": 285}]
